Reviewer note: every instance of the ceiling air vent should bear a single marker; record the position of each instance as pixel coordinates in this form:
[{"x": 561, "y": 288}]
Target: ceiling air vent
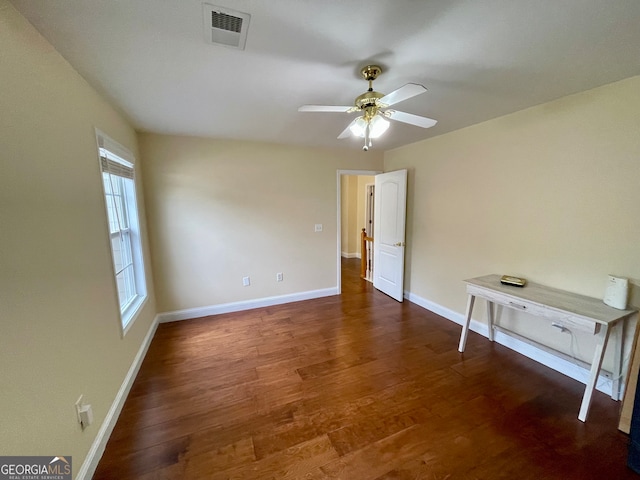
[{"x": 224, "y": 26}]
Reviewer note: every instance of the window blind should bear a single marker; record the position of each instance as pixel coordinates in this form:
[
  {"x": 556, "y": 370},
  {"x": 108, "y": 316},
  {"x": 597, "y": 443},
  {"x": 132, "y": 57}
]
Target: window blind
[{"x": 115, "y": 165}]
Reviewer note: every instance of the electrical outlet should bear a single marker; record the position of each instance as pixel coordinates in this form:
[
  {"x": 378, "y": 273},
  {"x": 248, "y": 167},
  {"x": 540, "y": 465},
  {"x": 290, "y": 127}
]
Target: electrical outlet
[
  {"x": 279, "y": 277},
  {"x": 318, "y": 227},
  {"x": 246, "y": 281},
  {"x": 84, "y": 412}
]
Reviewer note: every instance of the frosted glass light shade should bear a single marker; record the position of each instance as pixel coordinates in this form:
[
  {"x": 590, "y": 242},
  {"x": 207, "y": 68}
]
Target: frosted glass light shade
[
  {"x": 378, "y": 126},
  {"x": 358, "y": 127}
]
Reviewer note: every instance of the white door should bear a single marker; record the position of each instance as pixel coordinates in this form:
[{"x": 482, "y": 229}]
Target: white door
[{"x": 388, "y": 245}]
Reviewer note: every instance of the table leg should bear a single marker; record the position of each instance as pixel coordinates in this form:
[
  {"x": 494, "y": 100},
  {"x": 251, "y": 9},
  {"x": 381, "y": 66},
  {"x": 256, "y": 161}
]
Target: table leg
[
  {"x": 465, "y": 327},
  {"x": 490, "y": 309},
  {"x": 598, "y": 355},
  {"x": 618, "y": 335}
]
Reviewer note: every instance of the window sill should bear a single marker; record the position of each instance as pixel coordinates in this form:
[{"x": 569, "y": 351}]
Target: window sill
[{"x": 130, "y": 314}]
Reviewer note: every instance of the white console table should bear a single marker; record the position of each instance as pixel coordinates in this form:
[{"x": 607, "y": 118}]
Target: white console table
[{"x": 566, "y": 310}]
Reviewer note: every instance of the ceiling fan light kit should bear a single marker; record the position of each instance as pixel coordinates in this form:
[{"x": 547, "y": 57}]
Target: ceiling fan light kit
[
  {"x": 377, "y": 126},
  {"x": 372, "y": 105}
]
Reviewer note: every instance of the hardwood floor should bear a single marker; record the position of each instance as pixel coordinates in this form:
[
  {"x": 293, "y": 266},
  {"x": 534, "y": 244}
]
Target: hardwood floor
[{"x": 353, "y": 387}]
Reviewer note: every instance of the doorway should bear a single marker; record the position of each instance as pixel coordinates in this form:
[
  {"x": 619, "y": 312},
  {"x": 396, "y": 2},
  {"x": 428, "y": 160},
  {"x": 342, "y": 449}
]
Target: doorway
[{"x": 355, "y": 211}]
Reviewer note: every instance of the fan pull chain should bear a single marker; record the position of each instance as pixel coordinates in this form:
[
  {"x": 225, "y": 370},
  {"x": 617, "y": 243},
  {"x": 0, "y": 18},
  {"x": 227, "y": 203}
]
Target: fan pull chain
[{"x": 367, "y": 139}]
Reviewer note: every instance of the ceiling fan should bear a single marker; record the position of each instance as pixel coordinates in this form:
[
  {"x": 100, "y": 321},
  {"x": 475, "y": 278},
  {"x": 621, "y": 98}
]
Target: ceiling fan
[{"x": 374, "y": 109}]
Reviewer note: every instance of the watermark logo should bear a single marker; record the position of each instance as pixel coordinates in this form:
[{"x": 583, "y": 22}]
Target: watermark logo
[{"x": 35, "y": 468}]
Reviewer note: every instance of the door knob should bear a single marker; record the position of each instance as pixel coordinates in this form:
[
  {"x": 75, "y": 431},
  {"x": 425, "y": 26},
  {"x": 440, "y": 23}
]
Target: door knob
[{"x": 399, "y": 244}]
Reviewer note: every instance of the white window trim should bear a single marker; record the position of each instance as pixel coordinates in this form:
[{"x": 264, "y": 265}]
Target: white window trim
[{"x": 127, "y": 315}]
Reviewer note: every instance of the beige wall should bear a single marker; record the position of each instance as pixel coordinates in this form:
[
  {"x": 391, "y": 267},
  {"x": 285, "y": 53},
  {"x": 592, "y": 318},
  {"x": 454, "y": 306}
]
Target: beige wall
[
  {"x": 349, "y": 207},
  {"x": 550, "y": 193},
  {"x": 353, "y": 216},
  {"x": 220, "y": 210},
  {"x": 58, "y": 304},
  {"x": 345, "y": 207},
  {"x": 353, "y": 210}
]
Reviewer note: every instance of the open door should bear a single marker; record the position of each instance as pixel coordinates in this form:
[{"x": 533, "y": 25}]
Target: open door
[{"x": 390, "y": 211}]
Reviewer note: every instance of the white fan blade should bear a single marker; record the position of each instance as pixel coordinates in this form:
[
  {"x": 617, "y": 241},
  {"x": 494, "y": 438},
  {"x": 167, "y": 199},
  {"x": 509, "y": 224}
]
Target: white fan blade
[
  {"x": 410, "y": 118},
  {"x": 324, "y": 108},
  {"x": 403, "y": 93},
  {"x": 347, "y": 131}
]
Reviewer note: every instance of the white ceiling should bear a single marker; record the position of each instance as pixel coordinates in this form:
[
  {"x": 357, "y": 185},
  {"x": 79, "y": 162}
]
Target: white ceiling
[{"x": 479, "y": 59}]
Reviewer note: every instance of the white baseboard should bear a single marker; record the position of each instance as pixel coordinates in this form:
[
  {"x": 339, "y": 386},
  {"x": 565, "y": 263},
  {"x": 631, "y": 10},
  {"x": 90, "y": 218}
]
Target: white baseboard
[
  {"x": 244, "y": 305},
  {"x": 92, "y": 459},
  {"x": 350, "y": 255},
  {"x": 572, "y": 370}
]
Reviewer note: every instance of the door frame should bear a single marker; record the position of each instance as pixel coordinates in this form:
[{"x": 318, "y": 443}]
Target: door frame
[
  {"x": 339, "y": 174},
  {"x": 369, "y": 226}
]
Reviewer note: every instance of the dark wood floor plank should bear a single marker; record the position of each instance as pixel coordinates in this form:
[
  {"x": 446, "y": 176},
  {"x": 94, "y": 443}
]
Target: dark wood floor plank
[
  {"x": 372, "y": 428},
  {"x": 384, "y": 455},
  {"x": 351, "y": 387},
  {"x": 207, "y": 463},
  {"x": 289, "y": 464}
]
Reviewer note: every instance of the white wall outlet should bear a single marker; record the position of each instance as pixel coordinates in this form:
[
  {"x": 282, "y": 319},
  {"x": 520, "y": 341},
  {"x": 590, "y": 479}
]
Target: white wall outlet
[
  {"x": 246, "y": 281},
  {"x": 279, "y": 277},
  {"x": 84, "y": 412},
  {"x": 86, "y": 415},
  {"x": 318, "y": 227}
]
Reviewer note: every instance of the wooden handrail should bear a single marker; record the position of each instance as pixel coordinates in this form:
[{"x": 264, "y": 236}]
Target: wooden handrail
[{"x": 363, "y": 253}]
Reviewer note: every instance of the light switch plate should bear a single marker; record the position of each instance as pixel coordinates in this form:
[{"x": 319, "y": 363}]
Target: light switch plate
[{"x": 318, "y": 227}]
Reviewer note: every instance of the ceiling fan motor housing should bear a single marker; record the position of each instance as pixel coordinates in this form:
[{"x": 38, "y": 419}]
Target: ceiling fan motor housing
[{"x": 368, "y": 99}]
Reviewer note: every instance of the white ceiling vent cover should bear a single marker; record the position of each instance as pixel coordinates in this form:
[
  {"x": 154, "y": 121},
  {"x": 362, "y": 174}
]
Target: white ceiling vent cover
[{"x": 224, "y": 26}]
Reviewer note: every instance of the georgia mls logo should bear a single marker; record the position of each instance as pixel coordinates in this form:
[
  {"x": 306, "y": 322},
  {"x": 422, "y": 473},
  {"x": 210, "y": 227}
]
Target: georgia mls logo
[
  {"x": 63, "y": 465},
  {"x": 35, "y": 468}
]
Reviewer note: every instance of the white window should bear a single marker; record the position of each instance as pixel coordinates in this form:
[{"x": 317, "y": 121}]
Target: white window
[{"x": 118, "y": 181}]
